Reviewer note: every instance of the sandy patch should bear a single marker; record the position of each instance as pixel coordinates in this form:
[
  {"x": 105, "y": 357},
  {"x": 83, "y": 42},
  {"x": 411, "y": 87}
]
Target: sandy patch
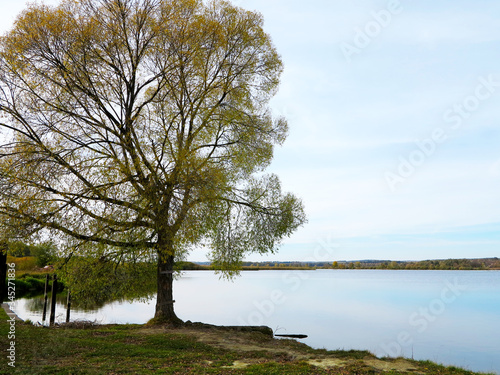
[
  {"x": 398, "y": 365},
  {"x": 326, "y": 362}
]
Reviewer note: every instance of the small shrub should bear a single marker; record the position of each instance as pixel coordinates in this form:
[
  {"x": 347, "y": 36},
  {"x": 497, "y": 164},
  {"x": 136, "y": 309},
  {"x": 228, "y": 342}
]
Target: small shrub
[
  {"x": 31, "y": 285},
  {"x": 34, "y": 284},
  {"x": 22, "y": 287}
]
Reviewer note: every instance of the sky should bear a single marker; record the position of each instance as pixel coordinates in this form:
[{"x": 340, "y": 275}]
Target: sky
[{"x": 394, "y": 115}]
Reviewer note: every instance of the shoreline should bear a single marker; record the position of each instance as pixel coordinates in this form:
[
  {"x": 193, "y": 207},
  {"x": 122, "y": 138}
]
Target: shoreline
[{"x": 11, "y": 313}]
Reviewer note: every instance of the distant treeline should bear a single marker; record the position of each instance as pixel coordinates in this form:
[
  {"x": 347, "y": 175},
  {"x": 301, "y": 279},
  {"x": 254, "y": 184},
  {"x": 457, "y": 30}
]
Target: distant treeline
[{"x": 443, "y": 264}]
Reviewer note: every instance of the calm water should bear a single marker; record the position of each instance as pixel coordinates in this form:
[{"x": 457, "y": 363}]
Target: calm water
[{"x": 450, "y": 317}]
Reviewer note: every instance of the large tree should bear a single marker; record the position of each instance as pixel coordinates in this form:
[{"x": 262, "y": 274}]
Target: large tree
[{"x": 143, "y": 127}]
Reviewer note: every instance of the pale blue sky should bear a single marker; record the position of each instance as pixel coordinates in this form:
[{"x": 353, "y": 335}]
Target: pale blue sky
[{"x": 394, "y": 114}]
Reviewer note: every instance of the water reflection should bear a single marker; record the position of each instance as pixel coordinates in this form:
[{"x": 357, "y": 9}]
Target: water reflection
[
  {"x": 120, "y": 312},
  {"x": 35, "y": 304}
]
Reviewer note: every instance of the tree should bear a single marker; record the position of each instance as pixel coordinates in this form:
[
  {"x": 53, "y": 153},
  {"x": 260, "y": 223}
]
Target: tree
[
  {"x": 44, "y": 253},
  {"x": 143, "y": 126},
  {"x": 18, "y": 249},
  {"x": 3, "y": 270}
]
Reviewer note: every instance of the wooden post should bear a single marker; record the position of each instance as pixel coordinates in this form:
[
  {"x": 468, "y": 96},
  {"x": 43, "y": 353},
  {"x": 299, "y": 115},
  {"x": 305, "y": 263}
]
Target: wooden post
[
  {"x": 53, "y": 301},
  {"x": 68, "y": 308},
  {"x": 45, "y": 297}
]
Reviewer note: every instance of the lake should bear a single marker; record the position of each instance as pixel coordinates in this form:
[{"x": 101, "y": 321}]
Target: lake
[{"x": 449, "y": 317}]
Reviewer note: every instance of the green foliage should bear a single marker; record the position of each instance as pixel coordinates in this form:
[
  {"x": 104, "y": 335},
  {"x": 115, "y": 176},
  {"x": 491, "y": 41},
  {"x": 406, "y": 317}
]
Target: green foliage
[
  {"x": 31, "y": 285},
  {"x": 96, "y": 281},
  {"x": 27, "y": 256},
  {"x": 19, "y": 249},
  {"x": 44, "y": 253}
]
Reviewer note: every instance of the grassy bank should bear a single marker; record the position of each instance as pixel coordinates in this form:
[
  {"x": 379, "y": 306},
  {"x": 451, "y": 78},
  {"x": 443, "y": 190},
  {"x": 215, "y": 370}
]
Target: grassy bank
[
  {"x": 30, "y": 284},
  {"x": 143, "y": 349}
]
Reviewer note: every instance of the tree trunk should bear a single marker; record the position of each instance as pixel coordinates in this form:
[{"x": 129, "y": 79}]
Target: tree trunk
[
  {"x": 165, "y": 301},
  {"x": 3, "y": 271}
]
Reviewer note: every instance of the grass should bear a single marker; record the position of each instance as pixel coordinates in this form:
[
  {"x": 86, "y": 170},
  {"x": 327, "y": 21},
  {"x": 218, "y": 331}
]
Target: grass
[{"x": 144, "y": 349}]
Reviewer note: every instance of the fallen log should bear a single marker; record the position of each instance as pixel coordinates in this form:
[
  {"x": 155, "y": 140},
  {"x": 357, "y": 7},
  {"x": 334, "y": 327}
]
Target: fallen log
[{"x": 293, "y": 336}]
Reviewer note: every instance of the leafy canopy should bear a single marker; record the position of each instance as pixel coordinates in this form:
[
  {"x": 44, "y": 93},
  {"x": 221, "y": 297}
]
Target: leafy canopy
[{"x": 143, "y": 126}]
